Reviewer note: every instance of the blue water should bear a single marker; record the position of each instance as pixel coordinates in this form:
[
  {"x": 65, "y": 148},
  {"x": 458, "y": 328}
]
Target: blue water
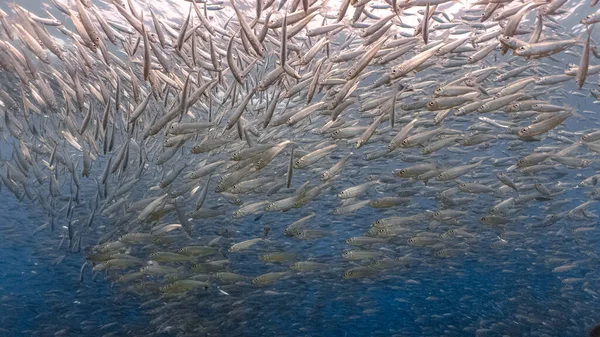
[{"x": 38, "y": 295}]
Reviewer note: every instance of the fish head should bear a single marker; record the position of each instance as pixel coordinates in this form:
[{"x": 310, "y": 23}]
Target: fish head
[
  {"x": 441, "y": 176},
  {"x": 437, "y": 215},
  {"x": 96, "y": 41},
  {"x": 350, "y": 274},
  {"x": 382, "y": 232},
  {"x": 390, "y": 147},
  {"x": 350, "y": 74},
  {"x": 524, "y": 132},
  {"x": 522, "y": 51},
  {"x": 379, "y": 222},
  {"x": 265, "y": 257},
  {"x": 152, "y": 37},
  {"x": 440, "y": 253},
  {"x": 507, "y": 40},
  {"x": 546, "y": 10},
  {"x": 484, "y": 219},
  {"x": 432, "y": 105},
  {"x": 274, "y": 22},
  {"x": 259, "y": 163},
  {"x": 403, "y": 172},
  {"x": 300, "y": 234},
  {"x": 288, "y": 232},
  {"x": 376, "y": 264},
  {"x": 397, "y": 71}
]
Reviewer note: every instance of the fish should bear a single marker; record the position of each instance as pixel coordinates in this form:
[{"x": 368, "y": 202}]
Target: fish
[{"x": 582, "y": 70}]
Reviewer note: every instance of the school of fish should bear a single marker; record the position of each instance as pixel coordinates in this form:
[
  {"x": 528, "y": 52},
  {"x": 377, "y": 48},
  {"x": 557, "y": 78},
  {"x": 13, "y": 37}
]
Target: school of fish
[{"x": 204, "y": 161}]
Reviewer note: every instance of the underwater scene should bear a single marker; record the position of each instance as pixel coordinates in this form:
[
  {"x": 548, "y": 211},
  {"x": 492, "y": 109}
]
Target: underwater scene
[{"x": 299, "y": 168}]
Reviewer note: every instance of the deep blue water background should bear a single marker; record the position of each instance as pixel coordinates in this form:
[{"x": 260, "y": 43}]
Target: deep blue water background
[{"x": 36, "y": 294}]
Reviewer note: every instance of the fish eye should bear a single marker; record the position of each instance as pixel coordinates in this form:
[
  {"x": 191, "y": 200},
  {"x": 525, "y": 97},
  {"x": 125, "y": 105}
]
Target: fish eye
[
  {"x": 522, "y": 48},
  {"x": 430, "y": 103},
  {"x": 437, "y": 213},
  {"x": 483, "y": 219},
  {"x": 523, "y": 130}
]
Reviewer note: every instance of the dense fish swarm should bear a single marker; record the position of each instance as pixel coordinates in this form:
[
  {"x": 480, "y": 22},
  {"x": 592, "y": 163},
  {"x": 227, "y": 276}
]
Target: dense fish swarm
[{"x": 203, "y": 163}]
